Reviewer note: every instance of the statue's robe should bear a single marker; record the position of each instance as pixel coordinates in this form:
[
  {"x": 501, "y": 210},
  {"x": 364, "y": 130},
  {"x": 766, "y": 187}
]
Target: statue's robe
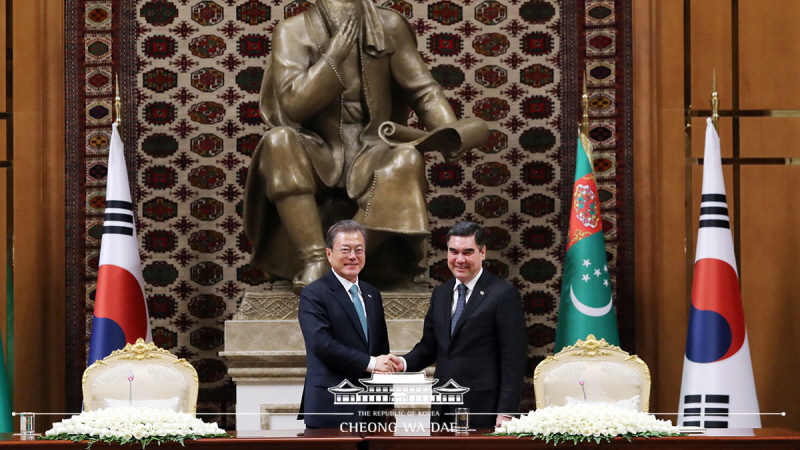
[{"x": 356, "y": 172}]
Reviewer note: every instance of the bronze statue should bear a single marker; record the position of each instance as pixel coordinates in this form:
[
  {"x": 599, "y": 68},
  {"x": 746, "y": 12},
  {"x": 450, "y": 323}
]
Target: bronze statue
[{"x": 339, "y": 82}]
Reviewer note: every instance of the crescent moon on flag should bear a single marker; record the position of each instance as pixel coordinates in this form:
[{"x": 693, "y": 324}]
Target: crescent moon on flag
[{"x": 590, "y": 310}]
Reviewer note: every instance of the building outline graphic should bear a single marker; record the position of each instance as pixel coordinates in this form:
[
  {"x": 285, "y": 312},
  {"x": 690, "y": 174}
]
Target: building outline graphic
[{"x": 398, "y": 388}]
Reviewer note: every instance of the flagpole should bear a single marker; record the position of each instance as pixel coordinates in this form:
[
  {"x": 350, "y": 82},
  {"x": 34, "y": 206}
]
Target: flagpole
[
  {"x": 117, "y": 101},
  {"x": 120, "y": 313},
  {"x": 586, "y": 305},
  {"x": 584, "y": 127},
  {"x": 714, "y": 102}
]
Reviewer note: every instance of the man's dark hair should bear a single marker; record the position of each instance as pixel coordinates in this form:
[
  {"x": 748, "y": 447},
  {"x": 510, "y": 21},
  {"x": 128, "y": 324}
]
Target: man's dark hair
[
  {"x": 467, "y": 228},
  {"x": 343, "y": 226}
]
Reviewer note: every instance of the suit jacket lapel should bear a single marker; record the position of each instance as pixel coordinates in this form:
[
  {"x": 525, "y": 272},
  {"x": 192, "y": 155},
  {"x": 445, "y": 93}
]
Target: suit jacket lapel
[
  {"x": 475, "y": 299},
  {"x": 444, "y": 304},
  {"x": 372, "y": 322},
  {"x": 346, "y": 302}
]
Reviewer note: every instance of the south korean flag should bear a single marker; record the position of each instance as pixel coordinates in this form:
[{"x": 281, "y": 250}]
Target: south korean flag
[{"x": 718, "y": 389}]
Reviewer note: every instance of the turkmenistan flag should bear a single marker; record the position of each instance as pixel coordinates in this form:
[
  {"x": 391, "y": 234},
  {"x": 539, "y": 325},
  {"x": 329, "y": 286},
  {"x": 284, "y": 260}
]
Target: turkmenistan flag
[
  {"x": 5, "y": 396},
  {"x": 586, "y": 305}
]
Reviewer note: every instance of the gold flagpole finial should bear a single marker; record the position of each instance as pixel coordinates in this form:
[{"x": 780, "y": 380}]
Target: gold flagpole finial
[
  {"x": 117, "y": 101},
  {"x": 585, "y": 106},
  {"x": 714, "y": 102},
  {"x": 583, "y": 126}
]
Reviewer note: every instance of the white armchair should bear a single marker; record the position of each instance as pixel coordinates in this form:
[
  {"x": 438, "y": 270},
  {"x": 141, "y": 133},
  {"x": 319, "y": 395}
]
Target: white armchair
[
  {"x": 141, "y": 375},
  {"x": 606, "y": 373}
]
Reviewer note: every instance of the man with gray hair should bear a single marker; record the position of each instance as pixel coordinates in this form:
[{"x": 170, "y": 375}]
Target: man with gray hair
[{"x": 344, "y": 330}]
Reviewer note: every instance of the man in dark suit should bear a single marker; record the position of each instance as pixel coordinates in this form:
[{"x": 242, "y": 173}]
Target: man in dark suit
[
  {"x": 344, "y": 330},
  {"x": 477, "y": 338}
]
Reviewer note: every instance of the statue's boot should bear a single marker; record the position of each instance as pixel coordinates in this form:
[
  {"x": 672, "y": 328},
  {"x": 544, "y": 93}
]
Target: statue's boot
[
  {"x": 301, "y": 220},
  {"x": 316, "y": 265}
]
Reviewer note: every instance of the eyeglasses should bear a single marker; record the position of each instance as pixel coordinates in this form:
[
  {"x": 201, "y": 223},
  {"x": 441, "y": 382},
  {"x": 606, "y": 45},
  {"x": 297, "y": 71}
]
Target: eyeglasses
[{"x": 346, "y": 251}]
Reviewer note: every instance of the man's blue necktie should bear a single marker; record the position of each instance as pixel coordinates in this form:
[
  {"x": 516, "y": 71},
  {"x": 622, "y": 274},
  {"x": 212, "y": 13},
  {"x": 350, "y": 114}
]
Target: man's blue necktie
[
  {"x": 462, "y": 300},
  {"x": 359, "y": 309}
]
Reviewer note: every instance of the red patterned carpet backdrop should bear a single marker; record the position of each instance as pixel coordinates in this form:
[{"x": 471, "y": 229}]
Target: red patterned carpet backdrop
[{"x": 191, "y": 71}]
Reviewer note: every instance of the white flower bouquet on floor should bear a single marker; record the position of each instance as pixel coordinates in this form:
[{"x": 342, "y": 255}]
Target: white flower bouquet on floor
[
  {"x": 581, "y": 422},
  {"x": 132, "y": 425}
]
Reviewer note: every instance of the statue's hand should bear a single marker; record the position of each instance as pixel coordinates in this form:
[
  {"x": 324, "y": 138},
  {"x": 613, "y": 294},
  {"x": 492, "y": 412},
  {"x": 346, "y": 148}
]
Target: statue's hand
[{"x": 342, "y": 42}]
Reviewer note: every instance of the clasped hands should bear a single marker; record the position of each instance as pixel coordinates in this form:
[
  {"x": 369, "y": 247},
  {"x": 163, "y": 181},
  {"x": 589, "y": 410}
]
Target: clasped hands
[{"x": 389, "y": 363}]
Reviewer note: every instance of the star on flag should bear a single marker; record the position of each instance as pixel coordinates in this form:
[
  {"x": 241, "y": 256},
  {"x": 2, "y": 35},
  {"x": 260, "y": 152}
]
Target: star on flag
[{"x": 586, "y": 277}]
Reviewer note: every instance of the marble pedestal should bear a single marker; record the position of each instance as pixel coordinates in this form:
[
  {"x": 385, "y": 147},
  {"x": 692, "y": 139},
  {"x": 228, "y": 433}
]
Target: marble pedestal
[{"x": 266, "y": 353}]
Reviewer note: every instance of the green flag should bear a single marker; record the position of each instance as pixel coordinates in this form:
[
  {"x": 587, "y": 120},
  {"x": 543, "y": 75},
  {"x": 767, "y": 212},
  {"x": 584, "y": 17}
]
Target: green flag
[
  {"x": 5, "y": 398},
  {"x": 586, "y": 305}
]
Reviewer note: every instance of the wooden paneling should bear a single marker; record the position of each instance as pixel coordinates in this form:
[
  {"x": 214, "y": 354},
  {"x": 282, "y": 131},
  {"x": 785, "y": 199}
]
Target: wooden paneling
[
  {"x": 769, "y": 53},
  {"x": 645, "y": 182},
  {"x": 5, "y": 251},
  {"x": 759, "y": 185},
  {"x": 3, "y": 57},
  {"x": 38, "y": 114},
  {"x": 659, "y": 180},
  {"x": 5, "y": 200},
  {"x": 4, "y": 150},
  {"x": 769, "y": 273},
  {"x": 766, "y": 137},
  {"x": 711, "y": 24}
]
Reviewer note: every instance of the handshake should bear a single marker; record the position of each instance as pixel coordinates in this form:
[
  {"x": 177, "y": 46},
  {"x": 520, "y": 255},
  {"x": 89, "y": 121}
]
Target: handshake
[{"x": 388, "y": 363}]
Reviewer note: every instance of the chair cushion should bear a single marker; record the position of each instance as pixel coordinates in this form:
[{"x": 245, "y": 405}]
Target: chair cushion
[
  {"x": 172, "y": 404},
  {"x": 627, "y": 403},
  {"x": 605, "y": 381},
  {"x": 153, "y": 384}
]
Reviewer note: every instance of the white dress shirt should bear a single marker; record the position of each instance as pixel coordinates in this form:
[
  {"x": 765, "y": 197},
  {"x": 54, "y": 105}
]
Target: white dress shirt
[{"x": 470, "y": 287}]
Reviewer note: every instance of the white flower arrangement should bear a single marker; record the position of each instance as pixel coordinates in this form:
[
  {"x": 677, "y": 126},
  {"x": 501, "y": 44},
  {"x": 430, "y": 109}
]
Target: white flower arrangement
[
  {"x": 581, "y": 422},
  {"x": 131, "y": 425}
]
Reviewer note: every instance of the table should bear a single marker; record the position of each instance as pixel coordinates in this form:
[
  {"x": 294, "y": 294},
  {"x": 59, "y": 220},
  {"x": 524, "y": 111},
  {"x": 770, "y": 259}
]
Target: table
[
  {"x": 760, "y": 438},
  {"x": 771, "y": 438},
  {"x": 257, "y": 440}
]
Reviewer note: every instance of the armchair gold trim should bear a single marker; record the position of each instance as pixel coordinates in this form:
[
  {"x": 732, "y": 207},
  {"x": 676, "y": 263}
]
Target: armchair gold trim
[
  {"x": 147, "y": 363},
  {"x": 591, "y": 351}
]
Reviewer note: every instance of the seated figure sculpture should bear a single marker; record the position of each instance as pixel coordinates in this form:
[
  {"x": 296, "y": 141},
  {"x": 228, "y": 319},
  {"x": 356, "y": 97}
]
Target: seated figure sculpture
[{"x": 338, "y": 72}]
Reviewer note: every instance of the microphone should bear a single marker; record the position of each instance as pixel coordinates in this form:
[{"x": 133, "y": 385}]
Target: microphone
[
  {"x": 130, "y": 389},
  {"x": 582, "y": 382}
]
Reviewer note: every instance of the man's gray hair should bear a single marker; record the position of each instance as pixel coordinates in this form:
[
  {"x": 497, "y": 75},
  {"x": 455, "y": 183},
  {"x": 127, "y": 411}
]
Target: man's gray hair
[{"x": 343, "y": 226}]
